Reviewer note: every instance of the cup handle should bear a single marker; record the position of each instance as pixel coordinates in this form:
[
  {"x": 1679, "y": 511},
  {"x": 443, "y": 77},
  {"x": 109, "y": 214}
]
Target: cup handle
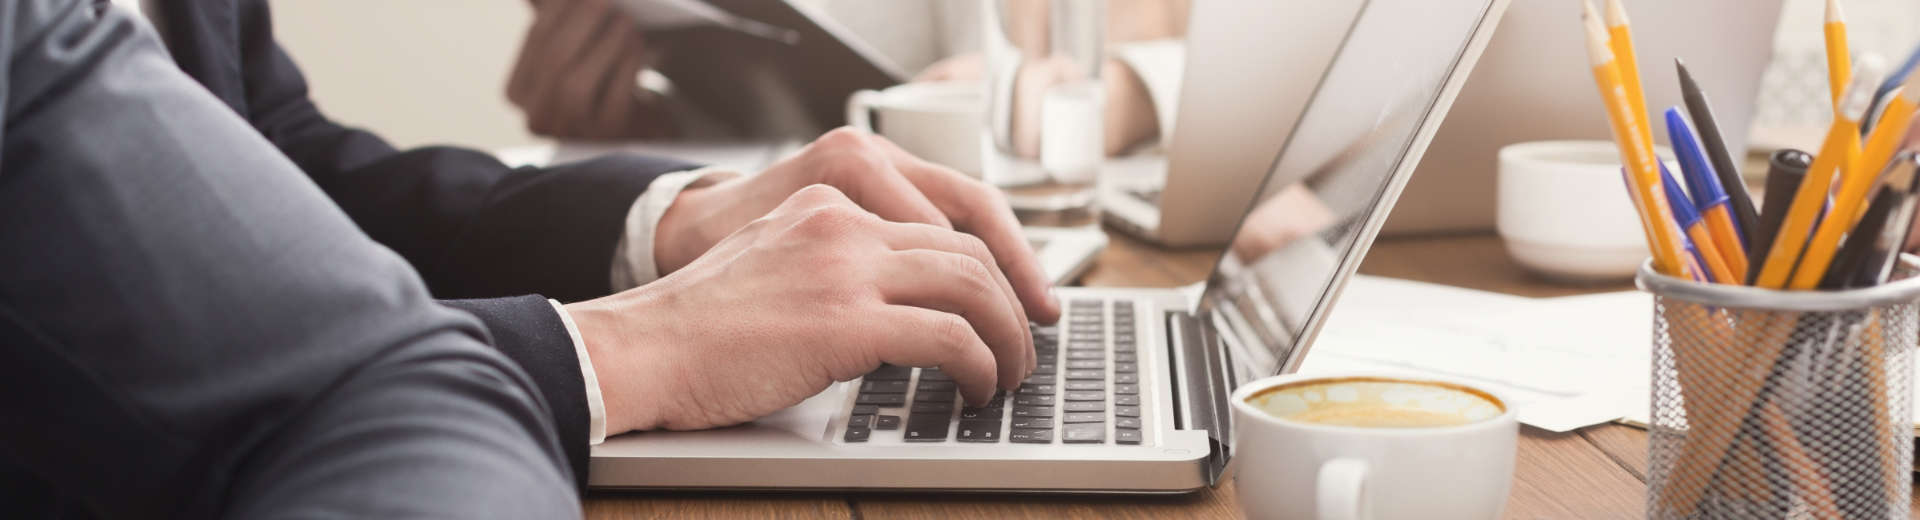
[
  {"x": 859, "y": 109},
  {"x": 1342, "y": 490}
]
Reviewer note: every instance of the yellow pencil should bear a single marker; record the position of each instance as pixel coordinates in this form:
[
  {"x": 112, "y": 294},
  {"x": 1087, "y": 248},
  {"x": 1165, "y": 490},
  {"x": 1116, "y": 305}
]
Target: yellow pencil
[
  {"x": 1836, "y": 153},
  {"x": 1849, "y": 199},
  {"x": 1620, "y": 40},
  {"x": 1663, "y": 235},
  {"x": 1839, "y": 69}
]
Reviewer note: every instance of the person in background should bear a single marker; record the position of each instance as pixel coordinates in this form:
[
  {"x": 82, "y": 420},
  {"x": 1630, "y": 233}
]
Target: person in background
[
  {"x": 218, "y": 301},
  {"x": 576, "y": 76}
]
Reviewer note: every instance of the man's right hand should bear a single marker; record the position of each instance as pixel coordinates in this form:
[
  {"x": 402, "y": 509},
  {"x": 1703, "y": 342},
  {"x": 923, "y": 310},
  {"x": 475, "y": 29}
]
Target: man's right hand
[{"x": 817, "y": 291}]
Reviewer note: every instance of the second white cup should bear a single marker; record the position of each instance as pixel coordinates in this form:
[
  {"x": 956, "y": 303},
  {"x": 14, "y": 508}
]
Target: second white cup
[{"x": 939, "y": 122}]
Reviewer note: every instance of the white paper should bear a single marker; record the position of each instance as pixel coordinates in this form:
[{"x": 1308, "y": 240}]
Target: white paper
[{"x": 1566, "y": 363}]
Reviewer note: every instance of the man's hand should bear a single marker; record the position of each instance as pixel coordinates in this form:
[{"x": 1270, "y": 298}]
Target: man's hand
[
  {"x": 878, "y": 176},
  {"x": 817, "y": 291},
  {"x": 577, "y": 75}
]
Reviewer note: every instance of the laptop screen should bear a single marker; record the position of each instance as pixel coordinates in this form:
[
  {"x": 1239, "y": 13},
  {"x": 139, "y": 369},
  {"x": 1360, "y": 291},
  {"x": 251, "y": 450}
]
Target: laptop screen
[{"x": 1327, "y": 193}]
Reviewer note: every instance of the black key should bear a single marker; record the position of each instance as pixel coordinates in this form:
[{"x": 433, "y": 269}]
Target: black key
[
  {"x": 1126, "y": 436},
  {"x": 1123, "y": 338},
  {"x": 1086, "y": 354},
  {"x": 936, "y": 386},
  {"x": 1086, "y": 386},
  {"x": 1086, "y": 374},
  {"x": 1126, "y": 400},
  {"x": 1033, "y": 400},
  {"x": 1126, "y": 423},
  {"x": 934, "y": 374},
  {"x": 1086, "y": 396},
  {"x": 1046, "y": 379},
  {"x": 1126, "y": 368},
  {"x": 1084, "y": 417},
  {"x": 926, "y": 428},
  {"x": 1045, "y": 369},
  {"x": 982, "y": 413},
  {"x": 882, "y": 400},
  {"x": 933, "y": 407},
  {"x": 858, "y": 434},
  {"x": 1126, "y": 389},
  {"x": 1033, "y": 411},
  {"x": 1126, "y": 378},
  {"x": 1126, "y": 357},
  {"x": 890, "y": 373},
  {"x": 999, "y": 398},
  {"x": 1126, "y": 411},
  {"x": 1084, "y": 433},
  {"x": 1045, "y": 358},
  {"x": 923, "y": 397},
  {"x": 1086, "y": 406},
  {"x": 1032, "y": 422},
  {"x": 884, "y": 387},
  {"x": 865, "y": 409},
  {"x": 1031, "y": 436},
  {"x": 860, "y": 421},
  {"x": 1035, "y": 390},
  {"x": 886, "y": 422},
  {"x": 1086, "y": 364},
  {"x": 979, "y": 431}
]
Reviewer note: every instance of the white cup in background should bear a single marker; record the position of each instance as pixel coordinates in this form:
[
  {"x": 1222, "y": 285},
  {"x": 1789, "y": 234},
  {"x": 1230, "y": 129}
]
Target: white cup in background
[
  {"x": 1564, "y": 211},
  {"x": 1297, "y": 468},
  {"x": 939, "y": 122}
]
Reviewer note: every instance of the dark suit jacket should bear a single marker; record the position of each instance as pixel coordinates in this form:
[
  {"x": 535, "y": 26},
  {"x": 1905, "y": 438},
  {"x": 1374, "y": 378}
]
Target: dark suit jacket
[
  {"x": 471, "y": 226},
  {"x": 190, "y": 328}
]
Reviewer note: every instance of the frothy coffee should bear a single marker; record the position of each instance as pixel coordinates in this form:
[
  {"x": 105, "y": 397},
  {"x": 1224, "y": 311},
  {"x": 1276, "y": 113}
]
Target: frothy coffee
[{"x": 1376, "y": 403}]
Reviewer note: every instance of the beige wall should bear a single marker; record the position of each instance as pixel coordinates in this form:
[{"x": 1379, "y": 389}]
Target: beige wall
[{"x": 415, "y": 71}]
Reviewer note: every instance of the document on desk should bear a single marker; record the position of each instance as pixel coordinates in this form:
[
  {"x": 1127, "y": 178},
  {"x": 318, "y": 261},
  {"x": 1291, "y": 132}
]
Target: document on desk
[{"x": 1566, "y": 363}]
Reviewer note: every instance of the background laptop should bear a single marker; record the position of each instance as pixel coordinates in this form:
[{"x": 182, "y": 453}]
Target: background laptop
[{"x": 1130, "y": 395}]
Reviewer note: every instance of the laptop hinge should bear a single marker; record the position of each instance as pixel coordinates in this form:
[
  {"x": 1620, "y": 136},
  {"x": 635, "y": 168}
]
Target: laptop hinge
[{"x": 1204, "y": 386}]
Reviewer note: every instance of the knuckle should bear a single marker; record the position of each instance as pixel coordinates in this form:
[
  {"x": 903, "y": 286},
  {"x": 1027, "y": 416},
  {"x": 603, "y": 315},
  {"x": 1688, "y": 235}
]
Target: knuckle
[
  {"x": 818, "y": 195},
  {"x": 953, "y": 334},
  {"x": 829, "y": 221},
  {"x": 843, "y": 137}
]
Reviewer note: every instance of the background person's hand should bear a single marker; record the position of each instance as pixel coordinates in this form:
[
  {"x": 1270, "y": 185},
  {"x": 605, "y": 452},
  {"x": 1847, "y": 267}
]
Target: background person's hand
[
  {"x": 880, "y": 177},
  {"x": 817, "y": 291},
  {"x": 577, "y": 74}
]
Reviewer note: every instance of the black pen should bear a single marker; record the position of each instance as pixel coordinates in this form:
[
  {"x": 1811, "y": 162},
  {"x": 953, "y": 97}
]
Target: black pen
[
  {"x": 1708, "y": 130},
  {"x": 1785, "y": 170}
]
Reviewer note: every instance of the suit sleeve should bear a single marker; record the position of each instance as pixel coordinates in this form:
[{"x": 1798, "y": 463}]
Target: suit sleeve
[
  {"x": 530, "y": 333},
  {"x": 472, "y": 226},
  {"x": 188, "y": 328}
]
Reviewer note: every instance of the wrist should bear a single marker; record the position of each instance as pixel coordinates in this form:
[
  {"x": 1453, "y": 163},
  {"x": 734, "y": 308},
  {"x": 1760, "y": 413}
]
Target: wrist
[
  {"x": 625, "y": 359},
  {"x": 679, "y": 239}
]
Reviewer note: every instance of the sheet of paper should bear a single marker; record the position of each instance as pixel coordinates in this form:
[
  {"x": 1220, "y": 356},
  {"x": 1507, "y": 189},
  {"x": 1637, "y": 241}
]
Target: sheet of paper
[{"x": 1566, "y": 363}]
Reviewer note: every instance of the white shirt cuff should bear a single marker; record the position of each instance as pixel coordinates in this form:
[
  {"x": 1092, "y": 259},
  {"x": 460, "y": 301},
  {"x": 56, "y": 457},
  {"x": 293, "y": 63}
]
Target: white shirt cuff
[
  {"x": 1159, "y": 64},
  {"x": 596, "y": 405},
  {"x": 633, "y": 263}
]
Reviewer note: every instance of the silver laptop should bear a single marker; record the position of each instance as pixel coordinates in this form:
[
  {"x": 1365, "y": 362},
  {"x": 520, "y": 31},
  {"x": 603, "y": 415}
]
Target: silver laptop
[
  {"x": 1129, "y": 396},
  {"x": 1233, "y": 116}
]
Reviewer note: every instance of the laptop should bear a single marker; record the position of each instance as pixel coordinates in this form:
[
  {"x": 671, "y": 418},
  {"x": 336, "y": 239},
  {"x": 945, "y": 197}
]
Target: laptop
[
  {"x": 1130, "y": 393},
  {"x": 1232, "y": 118}
]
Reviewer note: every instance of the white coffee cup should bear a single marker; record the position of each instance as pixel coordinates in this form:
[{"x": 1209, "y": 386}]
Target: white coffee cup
[
  {"x": 939, "y": 122},
  {"x": 1289, "y": 468},
  {"x": 1564, "y": 210}
]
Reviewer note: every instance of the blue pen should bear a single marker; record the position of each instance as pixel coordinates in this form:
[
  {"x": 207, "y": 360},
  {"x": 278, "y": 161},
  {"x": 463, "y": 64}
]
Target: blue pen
[
  {"x": 1709, "y": 197},
  {"x": 1696, "y": 230},
  {"x": 1693, "y": 267},
  {"x": 1882, "y": 94}
]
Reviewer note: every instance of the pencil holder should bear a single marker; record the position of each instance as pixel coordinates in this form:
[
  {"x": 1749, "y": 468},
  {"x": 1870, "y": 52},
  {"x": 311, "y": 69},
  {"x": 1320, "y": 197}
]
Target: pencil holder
[{"x": 1781, "y": 404}]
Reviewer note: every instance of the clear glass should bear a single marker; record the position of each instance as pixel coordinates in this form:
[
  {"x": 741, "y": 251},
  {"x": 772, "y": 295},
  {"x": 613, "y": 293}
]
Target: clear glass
[{"x": 1045, "y": 104}]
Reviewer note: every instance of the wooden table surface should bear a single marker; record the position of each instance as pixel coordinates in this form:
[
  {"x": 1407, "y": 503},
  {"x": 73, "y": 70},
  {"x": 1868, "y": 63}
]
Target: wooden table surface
[{"x": 1598, "y": 472}]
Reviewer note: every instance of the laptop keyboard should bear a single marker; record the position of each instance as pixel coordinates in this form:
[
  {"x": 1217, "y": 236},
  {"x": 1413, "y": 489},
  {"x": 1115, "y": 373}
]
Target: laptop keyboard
[{"x": 1073, "y": 396}]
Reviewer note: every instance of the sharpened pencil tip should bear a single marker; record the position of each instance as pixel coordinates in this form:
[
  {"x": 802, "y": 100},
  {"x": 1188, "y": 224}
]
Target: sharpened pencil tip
[
  {"x": 1616, "y": 14},
  {"x": 1833, "y": 12}
]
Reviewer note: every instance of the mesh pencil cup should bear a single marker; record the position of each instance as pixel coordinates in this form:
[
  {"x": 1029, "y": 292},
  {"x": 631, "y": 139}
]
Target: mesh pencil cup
[{"x": 1781, "y": 404}]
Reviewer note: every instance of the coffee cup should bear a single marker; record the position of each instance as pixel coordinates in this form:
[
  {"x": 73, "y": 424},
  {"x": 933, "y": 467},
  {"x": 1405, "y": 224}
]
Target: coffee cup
[
  {"x": 1564, "y": 211},
  {"x": 938, "y": 121},
  {"x": 1364, "y": 446}
]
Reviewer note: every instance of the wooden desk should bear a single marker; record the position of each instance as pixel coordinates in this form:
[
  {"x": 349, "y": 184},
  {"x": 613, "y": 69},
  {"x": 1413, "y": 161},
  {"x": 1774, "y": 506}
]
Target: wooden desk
[{"x": 1598, "y": 472}]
